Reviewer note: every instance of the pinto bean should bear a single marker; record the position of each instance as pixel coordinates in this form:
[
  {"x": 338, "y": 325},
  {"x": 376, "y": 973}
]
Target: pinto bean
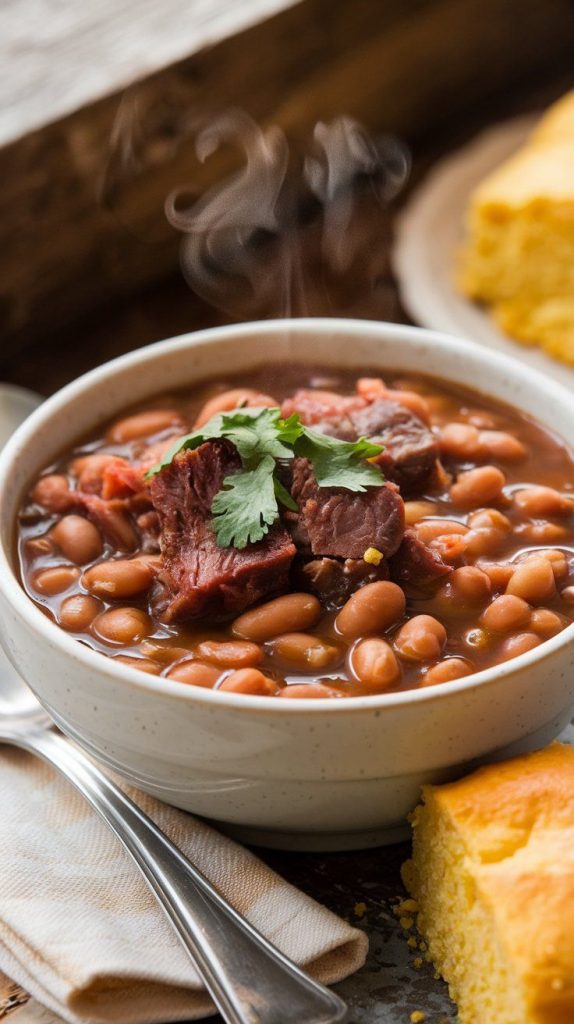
[
  {"x": 557, "y": 560},
  {"x": 422, "y": 638},
  {"x": 78, "y": 611},
  {"x": 533, "y": 580},
  {"x": 372, "y": 388},
  {"x": 540, "y": 502},
  {"x": 78, "y": 539},
  {"x": 374, "y": 663},
  {"x": 471, "y": 584},
  {"x": 506, "y": 613},
  {"x": 143, "y": 424},
  {"x": 37, "y": 546},
  {"x": 498, "y": 444},
  {"x": 151, "y": 668},
  {"x": 118, "y": 578},
  {"x": 308, "y": 691},
  {"x": 231, "y": 654},
  {"x": 519, "y": 644},
  {"x": 447, "y": 671},
  {"x": 250, "y": 680},
  {"x": 122, "y": 625},
  {"x": 477, "y": 487},
  {"x": 459, "y": 441},
  {"x": 429, "y": 529},
  {"x": 55, "y": 580},
  {"x": 567, "y": 595},
  {"x": 489, "y": 519},
  {"x": 53, "y": 493},
  {"x": 541, "y": 532},
  {"x": 305, "y": 650},
  {"x": 483, "y": 542},
  {"x": 232, "y": 399},
  {"x": 164, "y": 653},
  {"x": 416, "y": 510},
  {"x": 372, "y": 608},
  {"x": 498, "y": 573},
  {"x": 195, "y": 673},
  {"x": 546, "y": 623},
  {"x": 291, "y": 613}
]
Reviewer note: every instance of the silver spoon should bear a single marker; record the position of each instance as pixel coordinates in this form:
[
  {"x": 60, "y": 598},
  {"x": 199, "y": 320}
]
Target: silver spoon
[{"x": 249, "y": 980}]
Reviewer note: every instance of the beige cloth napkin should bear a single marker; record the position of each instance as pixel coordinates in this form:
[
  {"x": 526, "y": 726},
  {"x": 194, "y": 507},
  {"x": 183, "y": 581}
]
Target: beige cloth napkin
[{"x": 80, "y": 931}]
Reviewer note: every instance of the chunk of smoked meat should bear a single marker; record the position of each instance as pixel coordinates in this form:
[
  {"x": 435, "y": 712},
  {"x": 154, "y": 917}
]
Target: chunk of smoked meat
[
  {"x": 410, "y": 453},
  {"x": 333, "y": 580},
  {"x": 202, "y": 578},
  {"x": 343, "y": 524},
  {"x": 416, "y": 563},
  {"x": 410, "y": 449}
]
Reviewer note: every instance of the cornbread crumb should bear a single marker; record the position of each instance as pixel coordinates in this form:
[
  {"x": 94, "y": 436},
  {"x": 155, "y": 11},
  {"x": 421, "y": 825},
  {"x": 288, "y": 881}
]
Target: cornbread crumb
[
  {"x": 417, "y": 1016},
  {"x": 360, "y": 909},
  {"x": 412, "y": 942},
  {"x": 406, "y": 922},
  {"x": 373, "y": 556},
  {"x": 408, "y": 906},
  {"x": 418, "y": 962}
]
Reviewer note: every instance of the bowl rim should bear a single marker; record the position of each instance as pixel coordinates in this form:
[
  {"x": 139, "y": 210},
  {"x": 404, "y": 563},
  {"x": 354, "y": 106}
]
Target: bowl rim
[{"x": 93, "y": 660}]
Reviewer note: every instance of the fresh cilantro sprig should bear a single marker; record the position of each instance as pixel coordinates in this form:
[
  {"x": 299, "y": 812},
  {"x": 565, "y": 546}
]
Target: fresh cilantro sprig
[{"x": 247, "y": 505}]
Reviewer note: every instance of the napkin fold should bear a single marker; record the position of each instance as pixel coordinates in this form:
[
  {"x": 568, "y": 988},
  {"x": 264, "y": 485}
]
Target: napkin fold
[{"x": 80, "y": 931}]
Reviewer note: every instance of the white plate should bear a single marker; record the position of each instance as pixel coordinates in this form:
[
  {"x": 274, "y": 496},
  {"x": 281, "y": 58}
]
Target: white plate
[
  {"x": 431, "y": 230},
  {"x": 15, "y": 405}
]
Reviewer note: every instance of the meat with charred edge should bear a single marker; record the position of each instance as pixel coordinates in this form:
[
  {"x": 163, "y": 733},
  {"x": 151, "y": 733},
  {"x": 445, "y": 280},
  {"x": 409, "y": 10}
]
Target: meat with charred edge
[{"x": 202, "y": 577}]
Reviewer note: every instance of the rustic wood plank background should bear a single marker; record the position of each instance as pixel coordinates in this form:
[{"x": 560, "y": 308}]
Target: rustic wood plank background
[
  {"x": 82, "y": 229},
  {"x": 60, "y": 55}
]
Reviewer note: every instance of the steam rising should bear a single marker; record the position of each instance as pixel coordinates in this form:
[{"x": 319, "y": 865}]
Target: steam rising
[{"x": 247, "y": 238}]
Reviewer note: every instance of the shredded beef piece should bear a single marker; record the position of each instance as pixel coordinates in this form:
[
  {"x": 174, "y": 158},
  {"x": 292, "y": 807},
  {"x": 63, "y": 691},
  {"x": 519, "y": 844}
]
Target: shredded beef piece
[
  {"x": 202, "y": 578},
  {"x": 416, "y": 563},
  {"x": 334, "y": 580},
  {"x": 343, "y": 524},
  {"x": 410, "y": 449},
  {"x": 410, "y": 455}
]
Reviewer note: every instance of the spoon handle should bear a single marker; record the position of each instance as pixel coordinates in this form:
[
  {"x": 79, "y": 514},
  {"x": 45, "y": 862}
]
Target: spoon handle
[{"x": 249, "y": 980}]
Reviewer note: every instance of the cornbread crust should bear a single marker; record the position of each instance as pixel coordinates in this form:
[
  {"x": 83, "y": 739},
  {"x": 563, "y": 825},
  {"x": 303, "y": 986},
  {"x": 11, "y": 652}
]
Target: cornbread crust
[
  {"x": 519, "y": 258},
  {"x": 493, "y": 875}
]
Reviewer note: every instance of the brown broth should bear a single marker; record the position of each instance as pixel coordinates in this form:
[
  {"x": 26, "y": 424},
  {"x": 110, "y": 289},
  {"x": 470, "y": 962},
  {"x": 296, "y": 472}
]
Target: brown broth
[{"x": 548, "y": 462}]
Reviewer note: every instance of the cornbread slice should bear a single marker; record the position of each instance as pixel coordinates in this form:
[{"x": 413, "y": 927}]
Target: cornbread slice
[
  {"x": 519, "y": 258},
  {"x": 493, "y": 876}
]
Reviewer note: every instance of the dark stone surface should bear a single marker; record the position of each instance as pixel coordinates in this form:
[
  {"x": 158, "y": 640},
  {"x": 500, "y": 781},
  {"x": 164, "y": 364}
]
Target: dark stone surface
[{"x": 389, "y": 987}]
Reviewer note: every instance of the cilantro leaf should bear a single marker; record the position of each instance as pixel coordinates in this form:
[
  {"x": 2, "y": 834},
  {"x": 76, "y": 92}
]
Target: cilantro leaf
[
  {"x": 282, "y": 495},
  {"x": 254, "y": 432},
  {"x": 248, "y": 503},
  {"x": 246, "y": 507},
  {"x": 339, "y": 463}
]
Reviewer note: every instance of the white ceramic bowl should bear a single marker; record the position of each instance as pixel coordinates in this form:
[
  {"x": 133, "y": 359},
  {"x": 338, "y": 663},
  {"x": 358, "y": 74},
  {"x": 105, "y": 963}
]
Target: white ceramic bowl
[{"x": 318, "y": 774}]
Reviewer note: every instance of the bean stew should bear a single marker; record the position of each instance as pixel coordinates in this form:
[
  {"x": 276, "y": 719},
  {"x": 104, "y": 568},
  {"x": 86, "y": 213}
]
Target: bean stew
[{"x": 318, "y": 534}]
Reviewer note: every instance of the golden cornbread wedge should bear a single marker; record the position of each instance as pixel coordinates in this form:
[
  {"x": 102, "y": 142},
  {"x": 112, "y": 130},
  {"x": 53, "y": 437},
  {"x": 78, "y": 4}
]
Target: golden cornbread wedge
[
  {"x": 519, "y": 257},
  {"x": 493, "y": 876}
]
